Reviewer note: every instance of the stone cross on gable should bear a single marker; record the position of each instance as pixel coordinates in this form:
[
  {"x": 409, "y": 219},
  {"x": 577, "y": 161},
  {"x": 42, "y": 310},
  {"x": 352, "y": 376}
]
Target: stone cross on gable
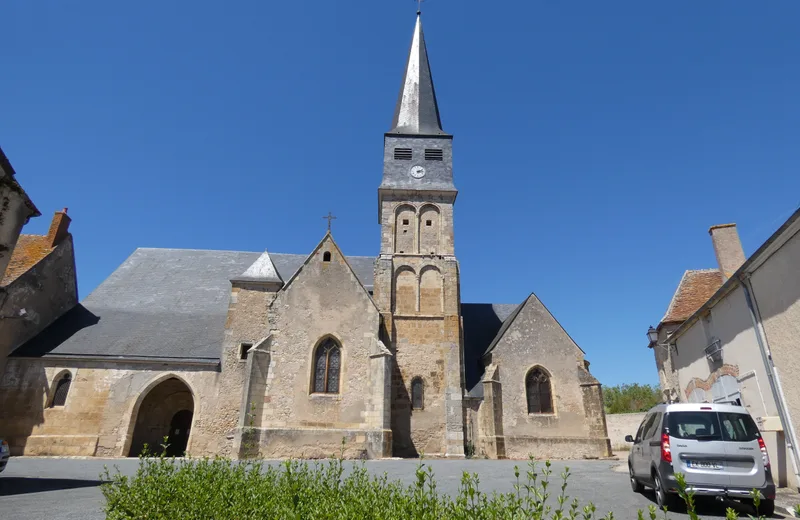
[{"x": 329, "y": 218}]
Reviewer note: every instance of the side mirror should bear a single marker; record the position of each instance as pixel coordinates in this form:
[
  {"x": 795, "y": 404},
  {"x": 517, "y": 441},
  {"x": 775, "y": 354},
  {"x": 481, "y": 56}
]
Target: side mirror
[{"x": 629, "y": 438}]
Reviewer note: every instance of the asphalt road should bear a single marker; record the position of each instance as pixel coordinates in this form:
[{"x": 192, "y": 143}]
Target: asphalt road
[{"x": 53, "y": 488}]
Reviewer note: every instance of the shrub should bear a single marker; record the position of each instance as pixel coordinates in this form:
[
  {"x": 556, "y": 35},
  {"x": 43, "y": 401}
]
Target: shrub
[{"x": 167, "y": 488}]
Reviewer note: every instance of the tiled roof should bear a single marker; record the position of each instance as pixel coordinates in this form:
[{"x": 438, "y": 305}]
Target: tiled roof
[
  {"x": 30, "y": 249},
  {"x": 696, "y": 287}
]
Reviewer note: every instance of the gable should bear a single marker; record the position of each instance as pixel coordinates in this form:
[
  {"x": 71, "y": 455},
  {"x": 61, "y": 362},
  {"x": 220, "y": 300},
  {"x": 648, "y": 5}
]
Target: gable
[
  {"x": 529, "y": 325},
  {"x": 325, "y": 275}
]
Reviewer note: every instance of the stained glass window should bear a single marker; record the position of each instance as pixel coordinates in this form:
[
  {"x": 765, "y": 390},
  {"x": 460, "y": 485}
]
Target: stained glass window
[
  {"x": 539, "y": 394},
  {"x": 62, "y": 389},
  {"x": 417, "y": 397},
  {"x": 327, "y": 364}
]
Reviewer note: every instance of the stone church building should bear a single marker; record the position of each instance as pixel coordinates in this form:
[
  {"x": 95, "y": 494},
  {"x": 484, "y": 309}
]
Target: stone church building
[{"x": 281, "y": 355}]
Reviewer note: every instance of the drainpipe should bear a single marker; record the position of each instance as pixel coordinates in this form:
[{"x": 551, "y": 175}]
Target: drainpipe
[{"x": 772, "y": 375}]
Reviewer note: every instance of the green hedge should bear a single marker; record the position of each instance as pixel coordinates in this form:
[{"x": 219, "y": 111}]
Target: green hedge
[{"x": 166, "y": 488}]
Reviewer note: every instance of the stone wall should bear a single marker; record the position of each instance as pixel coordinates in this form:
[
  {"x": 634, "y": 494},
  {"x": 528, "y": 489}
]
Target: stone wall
[
  {"x": 576, "y": 427},
  {"x": 620, "y": 425},
  {"x": 102, "y": 405},
  {"x": 417, "y": 290},
  {"x": 323, "y": 300}
]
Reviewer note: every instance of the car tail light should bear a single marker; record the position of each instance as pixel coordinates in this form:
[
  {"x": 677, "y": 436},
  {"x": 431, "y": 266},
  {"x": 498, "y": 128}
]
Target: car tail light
[
  {"x": 764, "y": 454},
  {"x": 666, "y": 453}
]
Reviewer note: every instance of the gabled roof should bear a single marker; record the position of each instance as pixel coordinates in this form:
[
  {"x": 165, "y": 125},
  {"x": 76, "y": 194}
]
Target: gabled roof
[
  {"x": 417, "y": 112},
  {"x": 694, "y": 289},
  {"x": 29, "y": 251},
  {"x": 481, "y": 321},
  {"x": 161, "y": 303},
  {"x": 506, "y": 324}
]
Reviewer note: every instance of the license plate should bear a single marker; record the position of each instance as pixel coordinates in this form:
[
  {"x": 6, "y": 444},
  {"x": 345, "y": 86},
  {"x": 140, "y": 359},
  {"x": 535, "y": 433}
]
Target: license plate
[{"x": 703, "y": 464}]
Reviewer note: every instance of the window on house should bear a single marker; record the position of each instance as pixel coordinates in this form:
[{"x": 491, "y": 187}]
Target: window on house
[
  {"x": 327, "y": 362},
  {"x": 417, "y": 394},
  {"x": 539, "y": 392},
  {"x": 405, "y": 221},
  {"x": 326, "y": 257},
  {"x": 243, "y": 348},
  {"x": 62, "y": 389}
]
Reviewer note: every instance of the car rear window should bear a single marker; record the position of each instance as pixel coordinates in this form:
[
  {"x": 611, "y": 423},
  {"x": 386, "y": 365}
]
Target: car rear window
[{"x": 712, "y": 426}]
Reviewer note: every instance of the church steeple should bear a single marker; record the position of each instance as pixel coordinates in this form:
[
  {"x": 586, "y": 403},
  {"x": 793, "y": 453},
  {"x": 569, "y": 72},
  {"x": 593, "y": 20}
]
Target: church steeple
[{"x": 417, "y": 112}]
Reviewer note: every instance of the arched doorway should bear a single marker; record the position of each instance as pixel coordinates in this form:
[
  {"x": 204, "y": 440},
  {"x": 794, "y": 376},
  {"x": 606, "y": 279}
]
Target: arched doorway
[{"x": 165, "y": 413}]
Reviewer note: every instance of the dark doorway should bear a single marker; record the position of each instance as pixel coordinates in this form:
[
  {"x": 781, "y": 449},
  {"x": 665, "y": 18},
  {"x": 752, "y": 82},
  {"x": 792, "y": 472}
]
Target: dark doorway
[
  {"x": 179, "y": 433},
  {"x": 164, "y": 420}
]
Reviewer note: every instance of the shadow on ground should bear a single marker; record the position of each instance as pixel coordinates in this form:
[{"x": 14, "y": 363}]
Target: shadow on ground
[
  {"x": 707, "y": 507},
  {"x": 23, "y": 485}
]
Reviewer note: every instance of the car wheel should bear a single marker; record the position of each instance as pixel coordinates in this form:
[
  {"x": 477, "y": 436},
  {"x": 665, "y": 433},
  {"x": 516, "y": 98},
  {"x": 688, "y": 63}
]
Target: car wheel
[
  {"x": 766, "y": 508},
  {"x": 636, "y": 486},
  {"x": 663, "y": 499}
]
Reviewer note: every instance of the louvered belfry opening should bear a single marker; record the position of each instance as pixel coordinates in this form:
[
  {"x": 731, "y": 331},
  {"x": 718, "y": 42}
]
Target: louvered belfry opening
[
  {"x": 62, "y": 389},
  {"x": 403, "y": 154},
  {"x": 539, "y": 393},
  {"x": 434, "y": 154}
]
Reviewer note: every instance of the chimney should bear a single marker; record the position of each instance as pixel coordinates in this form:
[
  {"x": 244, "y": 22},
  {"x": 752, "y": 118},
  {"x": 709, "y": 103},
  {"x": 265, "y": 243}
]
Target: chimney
[
  {"x": 58, "y": 228},
  {"x": 728, "y": 248}
]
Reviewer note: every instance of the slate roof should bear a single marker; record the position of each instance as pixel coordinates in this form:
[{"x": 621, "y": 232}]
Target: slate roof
[
  {"x": 483, "y": 322},
  {"x": 417, "y": 112},
  {"x": 29, "y": 251},
  {"x": 161, "y": 303},
  {"x": 173, "y": 303},
  {"x": 694, "y": 289}
]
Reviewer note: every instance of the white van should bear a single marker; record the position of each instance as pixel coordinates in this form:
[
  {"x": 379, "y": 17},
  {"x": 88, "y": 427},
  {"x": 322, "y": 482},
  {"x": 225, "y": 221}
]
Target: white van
[{"x": 716, "y": 446}]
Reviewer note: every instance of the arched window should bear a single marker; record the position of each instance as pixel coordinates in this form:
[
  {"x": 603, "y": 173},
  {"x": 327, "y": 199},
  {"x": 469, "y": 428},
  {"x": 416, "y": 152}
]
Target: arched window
[
  {"x": 326, "y": 256},
  {"x": 61, "y": 391},
  {"x": 539, "y": 393},
  {"x": 417, "y": 394},
  {"x": 327, "y": 361}
]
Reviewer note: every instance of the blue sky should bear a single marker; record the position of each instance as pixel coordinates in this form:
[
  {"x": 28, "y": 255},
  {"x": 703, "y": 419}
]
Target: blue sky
[{"x": 595, "y": 142}]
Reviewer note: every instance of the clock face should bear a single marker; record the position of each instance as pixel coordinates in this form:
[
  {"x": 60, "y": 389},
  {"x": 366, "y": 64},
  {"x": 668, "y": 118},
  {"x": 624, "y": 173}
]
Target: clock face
[{"x": 417, "y": 172}]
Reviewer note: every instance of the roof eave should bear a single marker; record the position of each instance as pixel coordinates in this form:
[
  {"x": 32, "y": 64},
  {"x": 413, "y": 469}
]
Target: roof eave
[{"x": 787, "y": 230}]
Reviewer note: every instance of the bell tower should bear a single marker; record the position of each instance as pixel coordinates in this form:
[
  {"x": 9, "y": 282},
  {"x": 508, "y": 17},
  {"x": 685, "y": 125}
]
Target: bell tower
[{"x": 417, "y": 286}]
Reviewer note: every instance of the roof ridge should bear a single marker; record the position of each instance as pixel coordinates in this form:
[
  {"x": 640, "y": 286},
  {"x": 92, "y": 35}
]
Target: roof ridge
[{"x": 228, "y": 251}]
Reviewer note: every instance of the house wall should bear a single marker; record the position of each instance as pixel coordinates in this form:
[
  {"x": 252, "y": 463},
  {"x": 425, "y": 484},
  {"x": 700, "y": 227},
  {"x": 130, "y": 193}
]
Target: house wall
[
  {"x": 729, "y": 321},
  {"x": 577, "y": 427},
  {"x": 776, "y": 291},
  {"x": 100, "y": 412}
]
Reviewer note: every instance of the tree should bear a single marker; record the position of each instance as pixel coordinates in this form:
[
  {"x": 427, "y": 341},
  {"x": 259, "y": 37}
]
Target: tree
[{"x": 630, "y": 398}]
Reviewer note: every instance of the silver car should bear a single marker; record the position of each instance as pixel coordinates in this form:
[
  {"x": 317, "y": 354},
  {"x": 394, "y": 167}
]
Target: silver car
[
  {"x": 4, "y": 454},
  {"x": 717, "y": 447}
]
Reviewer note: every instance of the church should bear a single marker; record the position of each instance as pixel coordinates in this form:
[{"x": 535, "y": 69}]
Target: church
[{"x": 270, "y": 355}]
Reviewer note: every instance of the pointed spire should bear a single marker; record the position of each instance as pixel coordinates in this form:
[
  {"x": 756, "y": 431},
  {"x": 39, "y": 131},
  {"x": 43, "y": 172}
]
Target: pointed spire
[{"x": 417, "y": 111}]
